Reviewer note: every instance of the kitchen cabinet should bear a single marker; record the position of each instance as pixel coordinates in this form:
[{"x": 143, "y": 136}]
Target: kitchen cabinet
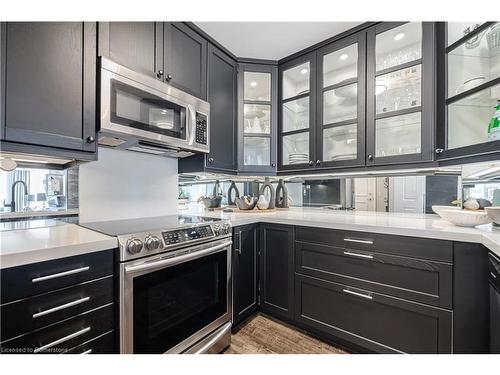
[
  {"x": 400, "y": 93},
  {"x": 297, "y": 87},
  {"x": 469, "y": 61},
  {"x": 245, "y": 272},
  {"x": 134, "y": 45},
  {"x": 222, "y": 96},
  {"x": 49, "y": 85},
  {"x": 257, "y": 118},
  {"x": 276, "y": 270},
  {"x": 341, "y": 103},
  {"x": 185, "y": 59}
]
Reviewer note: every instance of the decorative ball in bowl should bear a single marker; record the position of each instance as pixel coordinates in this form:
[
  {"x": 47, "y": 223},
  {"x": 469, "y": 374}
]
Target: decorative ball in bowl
[
  {"x": 494, "y": 214},
  {"x": 246, "y": 202},
  {"x": 437, "y": 209},
  {"x": 465, "y": 218}
]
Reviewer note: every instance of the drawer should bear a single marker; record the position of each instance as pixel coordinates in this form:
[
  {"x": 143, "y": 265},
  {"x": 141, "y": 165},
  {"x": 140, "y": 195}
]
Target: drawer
[
  {"x": 104, "y": 344},
  {"x": 414, "y": 247},
  {"x": 29, "y": 314},
  {"x": 60, "y": 337},
  {"x": 29, "y": 280},
  {"x": 371, "y": 320},
  {"x": 418, "y": 280}
]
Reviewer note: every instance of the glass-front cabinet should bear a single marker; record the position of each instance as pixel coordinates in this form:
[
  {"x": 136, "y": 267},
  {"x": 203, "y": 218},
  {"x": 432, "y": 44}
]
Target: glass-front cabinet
[
  {"x": 469, "y": 112},
  {"x": 257, "y": 130},
  {"x": 400, "y": 93},
  {"x": 297, "y": 84},
  {"x": 341, "y": 103}
]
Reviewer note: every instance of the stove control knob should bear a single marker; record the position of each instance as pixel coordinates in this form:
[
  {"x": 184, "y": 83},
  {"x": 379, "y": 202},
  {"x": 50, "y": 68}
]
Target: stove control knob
[
  {"x": 226, "y": 228},
  {"x": 217, "y": 229},
  {"x": 134, "y": 245},
  {"x": 152, "y": 243}
]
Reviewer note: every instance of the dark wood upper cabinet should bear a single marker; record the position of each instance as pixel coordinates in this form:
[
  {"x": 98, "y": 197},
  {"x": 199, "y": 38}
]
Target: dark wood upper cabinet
[
  {"x": 185, "y": 59},
  {"x": 49, "y": 84},
  {"x": 133, "y": 44}
]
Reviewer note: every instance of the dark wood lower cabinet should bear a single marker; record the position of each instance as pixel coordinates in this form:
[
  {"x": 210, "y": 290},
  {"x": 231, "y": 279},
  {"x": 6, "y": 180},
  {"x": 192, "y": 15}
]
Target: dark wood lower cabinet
[
  {"x": 375, "y": 321},
  {"x": 104, "y": 344}
]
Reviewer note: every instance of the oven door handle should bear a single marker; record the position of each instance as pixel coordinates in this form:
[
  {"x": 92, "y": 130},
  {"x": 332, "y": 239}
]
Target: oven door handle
[{"x": 175, "y": 260}]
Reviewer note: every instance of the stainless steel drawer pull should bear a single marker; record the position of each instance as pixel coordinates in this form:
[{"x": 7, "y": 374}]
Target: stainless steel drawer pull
[
  {"x": 369, "y": 242},
  {"x": 61, "y": 340},
  {"x": 367, "y": 296},
  {"x": 493, "y": 275},
  {"x": 87, "y": 351},
  {"x": 61, "y": 307},
  {"x": 60, "y": 274},
  {"x": 366, "y": 256}
]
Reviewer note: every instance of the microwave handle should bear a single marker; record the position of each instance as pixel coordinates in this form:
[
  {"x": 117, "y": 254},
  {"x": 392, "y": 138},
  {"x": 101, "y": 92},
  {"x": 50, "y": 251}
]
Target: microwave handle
[{"x": 191, "y": 123}]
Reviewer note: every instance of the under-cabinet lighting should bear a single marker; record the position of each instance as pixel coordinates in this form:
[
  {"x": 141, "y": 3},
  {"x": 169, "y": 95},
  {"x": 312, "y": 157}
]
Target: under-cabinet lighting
[
  {"x": 484, "y": 172},
  {"x": 344, "y": 56},
  {"x": 399, "y": 36},
  {"x": 304, "y": 71}
]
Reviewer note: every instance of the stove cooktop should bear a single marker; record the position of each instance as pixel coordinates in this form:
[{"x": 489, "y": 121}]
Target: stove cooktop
[{"x": 162, "y": 223}]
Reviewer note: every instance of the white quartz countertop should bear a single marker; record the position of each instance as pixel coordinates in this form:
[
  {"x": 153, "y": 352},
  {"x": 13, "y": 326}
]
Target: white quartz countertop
[
  {"x": 25, "y": 246},
  {"x": 44, "y": 213},
  {"x": 414, "y": 225}
]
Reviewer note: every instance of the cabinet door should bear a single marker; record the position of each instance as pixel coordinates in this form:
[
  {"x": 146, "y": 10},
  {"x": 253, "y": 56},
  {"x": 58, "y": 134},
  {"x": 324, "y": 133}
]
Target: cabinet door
[
  {"x": 245, "y": 273},
  {"x": 297, "y": 85},
  {"x": 132, "y": 44},
  {"x": 341, "y": 103},
  {"x": 185, "y": 59},
  {"x": 400, "y": 93},
  {"x": 49, "y": 84},
  {"x": 257, "y": 117},
  {"x": 222, "y": 98},
  {"x": 276, "y": 270},
  {"x": 468, "y": 117}
]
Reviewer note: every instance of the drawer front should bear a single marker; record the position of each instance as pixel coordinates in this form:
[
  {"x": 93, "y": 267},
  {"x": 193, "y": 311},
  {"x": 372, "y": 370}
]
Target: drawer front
[
  {"x": 26, "y": 281},
  {"x": 414, "y": 247},
  {"x": 60, "y": 337},
  {"x": 414, "y": 279},
  {"x": 371, "y": 320},
  {"x": 35, "y": 312},
  {"x": 104, "y": 344}
]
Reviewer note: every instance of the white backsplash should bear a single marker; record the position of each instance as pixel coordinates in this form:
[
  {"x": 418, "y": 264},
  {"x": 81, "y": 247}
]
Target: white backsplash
[{"x": 125, "y": 184}]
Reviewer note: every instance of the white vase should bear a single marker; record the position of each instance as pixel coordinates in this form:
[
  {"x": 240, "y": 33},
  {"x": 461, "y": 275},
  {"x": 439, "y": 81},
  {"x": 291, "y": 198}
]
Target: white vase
[{"x": 262, "y": 203}]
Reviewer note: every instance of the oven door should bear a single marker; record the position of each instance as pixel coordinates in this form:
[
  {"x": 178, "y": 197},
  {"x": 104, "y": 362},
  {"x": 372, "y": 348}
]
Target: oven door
[{"x": 170, "y": 302}]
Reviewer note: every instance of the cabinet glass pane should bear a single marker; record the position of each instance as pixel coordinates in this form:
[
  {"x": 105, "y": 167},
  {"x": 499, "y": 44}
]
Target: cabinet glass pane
[
  {"x": 399, "y": 90},
  {"x": 296, "y": 114},
  {"x": 296, "y": 80},
  {"x": 257, "y": 86},
  {"x": 398, "y": 135},
  {"x": 257, "y": 118},
  {"x": 340, "y": 143},
  {"x": 340, "y": 65},
  {"x": 399, "y": 45},
  {"x": 296, "y": 148},
  {"x": 257, "y": 151},
  {"x": 468, "y": 119},
  {"x": 457, "y": 30},
  {"x": 474, "y": 62},
  {"x": 340, "y": 104}
]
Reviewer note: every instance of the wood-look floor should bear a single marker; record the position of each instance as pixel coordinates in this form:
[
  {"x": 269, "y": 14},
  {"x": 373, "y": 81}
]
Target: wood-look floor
[{"x": 261, "y": 335}]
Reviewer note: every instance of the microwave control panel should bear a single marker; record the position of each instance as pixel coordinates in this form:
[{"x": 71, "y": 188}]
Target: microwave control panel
[
  {"x": 189, "y": 234},
  {"x": 201, "y": 128}
]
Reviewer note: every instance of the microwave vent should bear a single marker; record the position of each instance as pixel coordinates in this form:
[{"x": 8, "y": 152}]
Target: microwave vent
[{"x": 111, "y": 141}]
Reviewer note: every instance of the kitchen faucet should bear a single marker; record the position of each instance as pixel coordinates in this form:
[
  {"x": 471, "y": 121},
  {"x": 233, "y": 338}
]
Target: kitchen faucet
[{"x": 12, "y": 204}]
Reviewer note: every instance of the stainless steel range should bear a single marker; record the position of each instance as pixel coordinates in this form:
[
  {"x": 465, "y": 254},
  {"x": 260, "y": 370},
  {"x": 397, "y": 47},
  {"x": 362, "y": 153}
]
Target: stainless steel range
[{"x": 175, "y": 274}]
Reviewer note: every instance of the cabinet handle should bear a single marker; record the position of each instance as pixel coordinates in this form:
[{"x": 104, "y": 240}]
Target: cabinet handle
[
  {"x": 366, "y": 256},
  {"x": 61, "y": 307},
  {"x": 159, "y": 74},
  {"x": 370, "y": 157},
  {"x": 439, "y": 150},
  {"x": 237, "y": 247},
  {"x": 493, "y": 275},
  {"x": 168, "y": 77},
  {"x": 60, "y": 274},
  {"x": 311, "y": 163},
  {"x": 273, "y": 165},
  {"x": 61, "y": 340},
  {"x": 357, "y": 294},
  {"x": 87, "y": 351},
  {"x": 210, "y": 160},
  {"x": 90, "y": 139},
  {"x": 368, "y": 242}
]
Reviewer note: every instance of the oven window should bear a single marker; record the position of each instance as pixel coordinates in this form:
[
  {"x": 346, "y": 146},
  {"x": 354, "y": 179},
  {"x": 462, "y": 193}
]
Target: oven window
[
  {"x": 142, "y": 110},
  {"x": 172, "y": 304}
]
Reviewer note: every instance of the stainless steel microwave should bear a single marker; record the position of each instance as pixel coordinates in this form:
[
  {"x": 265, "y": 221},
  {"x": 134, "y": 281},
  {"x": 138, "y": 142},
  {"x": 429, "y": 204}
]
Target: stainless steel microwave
[{"x": 141, "y": 113}]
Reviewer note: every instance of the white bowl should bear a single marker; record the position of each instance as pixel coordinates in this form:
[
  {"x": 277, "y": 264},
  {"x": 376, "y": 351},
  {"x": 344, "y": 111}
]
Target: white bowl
[
  {"x": 493, "y": 213},
  {"x": 465, "y": 218},
  {"x": 437, "y": 209}
]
